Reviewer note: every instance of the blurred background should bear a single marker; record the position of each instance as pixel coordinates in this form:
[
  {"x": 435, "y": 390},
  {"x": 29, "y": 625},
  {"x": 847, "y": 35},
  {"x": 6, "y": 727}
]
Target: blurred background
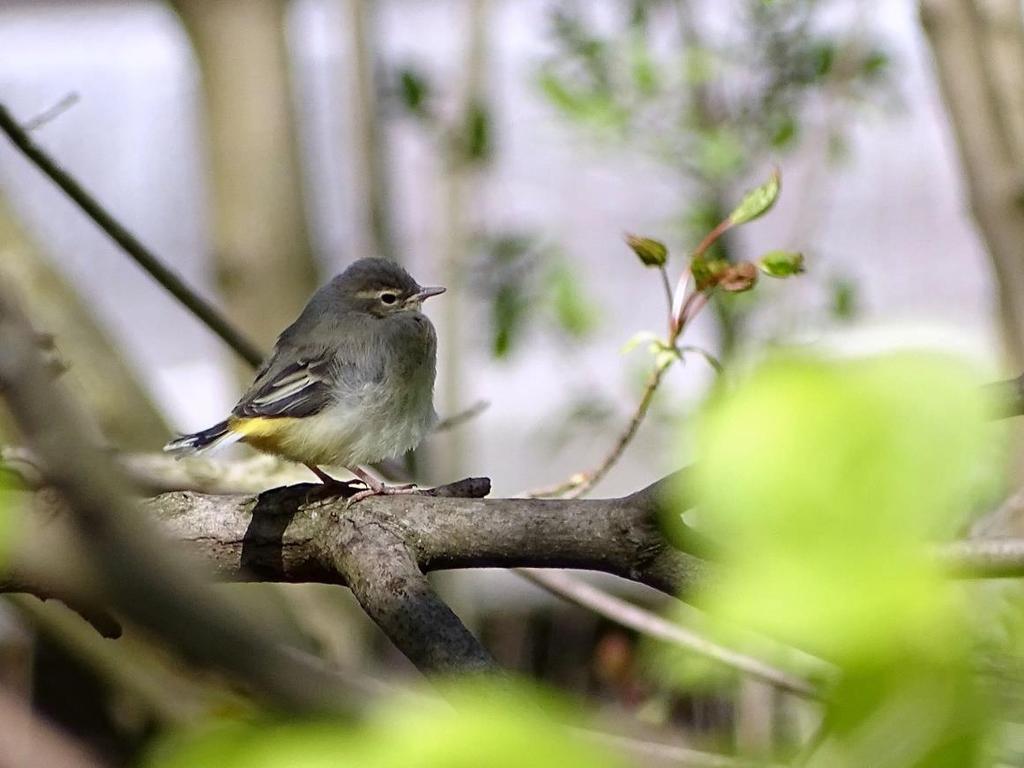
[{"x": 501, "y": 148}]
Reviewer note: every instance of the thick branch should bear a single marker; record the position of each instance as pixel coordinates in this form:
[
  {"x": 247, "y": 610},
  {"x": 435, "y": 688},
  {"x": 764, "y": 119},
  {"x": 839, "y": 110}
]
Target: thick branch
[
  {"x": 278, "y": 537},
  {"x": 385, "y": 579}
]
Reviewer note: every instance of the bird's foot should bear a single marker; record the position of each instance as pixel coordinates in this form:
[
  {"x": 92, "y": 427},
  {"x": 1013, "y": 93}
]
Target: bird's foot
[{"x": 384, "y": 490}]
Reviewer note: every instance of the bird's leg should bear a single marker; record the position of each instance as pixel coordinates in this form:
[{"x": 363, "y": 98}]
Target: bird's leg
[
  {"x": 331, "y": 485},
  {"x": 324, "y": 477},
  {"x": 375, "y": 487}
]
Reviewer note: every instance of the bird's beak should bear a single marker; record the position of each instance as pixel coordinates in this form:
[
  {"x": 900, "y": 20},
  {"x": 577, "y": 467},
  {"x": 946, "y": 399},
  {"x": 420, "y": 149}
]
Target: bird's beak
[{"x": 425, "y": 293}]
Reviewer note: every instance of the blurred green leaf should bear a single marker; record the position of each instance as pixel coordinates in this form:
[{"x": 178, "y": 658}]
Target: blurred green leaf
[
  {"x": 875, "y": 63},
  {"x": 826, "y": 478},
  {"x": 575, "y": 314},
  {"x": 476, "y": 141},
  {"x": 414, "y": 92},
  {"x": 11, "y": 516},
  {"x": 757, "y": 202},
  {"x": 638, "y": 338},
  {"x": 844, "y": 299},
  {"x": 643, "y": 69},
  {"x": 487, "y": 724},
  {"x": 826, "y": 483},
  {"x": 653, "y": 253},
  {"x": 783, "y": 131},
  {"x": 823, "y": 57},
  {"x": 508, "y": 313},
  {"x": 782, "y": 263},
  {"x": 699, "y": 66},
  {"x": 719, "y": 153}
]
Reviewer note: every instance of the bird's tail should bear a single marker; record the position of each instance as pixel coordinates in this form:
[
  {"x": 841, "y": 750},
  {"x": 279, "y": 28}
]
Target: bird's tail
[{"x": 200, "y": 442}]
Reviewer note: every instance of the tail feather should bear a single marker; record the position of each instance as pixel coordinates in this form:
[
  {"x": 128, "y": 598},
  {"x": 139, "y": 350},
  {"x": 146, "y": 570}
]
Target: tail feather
[{"x": 199, "y": 442}]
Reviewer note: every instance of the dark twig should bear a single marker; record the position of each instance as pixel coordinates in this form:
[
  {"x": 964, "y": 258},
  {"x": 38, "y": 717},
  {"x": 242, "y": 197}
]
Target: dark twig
[{"x": 145, "y": 258}]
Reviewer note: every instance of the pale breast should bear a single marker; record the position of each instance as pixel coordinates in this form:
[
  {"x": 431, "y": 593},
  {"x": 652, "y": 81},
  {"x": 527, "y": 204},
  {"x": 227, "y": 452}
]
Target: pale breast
[{"x": 380, "y": 419}]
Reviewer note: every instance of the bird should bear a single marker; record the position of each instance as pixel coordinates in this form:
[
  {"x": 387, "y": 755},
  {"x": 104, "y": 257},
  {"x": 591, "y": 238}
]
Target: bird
[{"x": 349, "y": 383}]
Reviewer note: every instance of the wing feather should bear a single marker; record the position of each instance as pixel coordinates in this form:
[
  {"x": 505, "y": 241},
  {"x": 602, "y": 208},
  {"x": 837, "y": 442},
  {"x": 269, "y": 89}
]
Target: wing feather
[{"x": 300, "y": 388}]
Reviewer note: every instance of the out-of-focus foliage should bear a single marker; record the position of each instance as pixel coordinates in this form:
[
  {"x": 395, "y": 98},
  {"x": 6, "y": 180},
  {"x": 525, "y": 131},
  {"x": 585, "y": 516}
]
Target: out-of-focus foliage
[
  {"x": 711, "y": 104},
  {"x": 711, "y": 90},
  {"x": 826, "y": 483},
  {"x": 10, "y": 516},
  {"x": 527, "y": 284},
  {"x": 494, "y": 725}
]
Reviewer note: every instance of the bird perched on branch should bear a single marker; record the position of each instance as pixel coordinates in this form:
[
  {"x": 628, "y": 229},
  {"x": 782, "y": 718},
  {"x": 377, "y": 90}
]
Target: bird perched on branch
[{"x": 350, "y": 382}]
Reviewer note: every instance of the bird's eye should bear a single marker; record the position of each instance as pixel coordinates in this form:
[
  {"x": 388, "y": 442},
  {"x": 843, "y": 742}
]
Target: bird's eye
[{"x": 389, "y": 298}]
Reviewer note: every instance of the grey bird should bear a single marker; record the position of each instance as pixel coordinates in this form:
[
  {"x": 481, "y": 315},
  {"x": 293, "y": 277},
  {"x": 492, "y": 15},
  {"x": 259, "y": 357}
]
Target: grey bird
[{"x": 350, "y": 382}]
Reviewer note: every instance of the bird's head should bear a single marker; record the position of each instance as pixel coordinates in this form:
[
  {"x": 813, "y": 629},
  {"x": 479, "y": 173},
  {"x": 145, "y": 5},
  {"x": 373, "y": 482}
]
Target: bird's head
[{"x": 382, "y": 288}]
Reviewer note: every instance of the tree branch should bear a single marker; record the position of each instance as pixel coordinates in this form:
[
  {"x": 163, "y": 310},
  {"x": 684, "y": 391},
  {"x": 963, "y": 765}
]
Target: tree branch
[
  {"x": 622, "y": 612},
  {"x": 145, "y": 258},
  {"x": 287, "y": 535}
]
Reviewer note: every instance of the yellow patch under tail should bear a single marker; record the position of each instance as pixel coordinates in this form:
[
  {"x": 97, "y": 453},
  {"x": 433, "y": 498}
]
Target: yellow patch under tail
[{"x": 265, "y": 434}]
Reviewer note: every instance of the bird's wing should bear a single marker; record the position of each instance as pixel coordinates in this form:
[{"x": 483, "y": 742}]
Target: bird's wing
[{"x": 302, "y": 387}]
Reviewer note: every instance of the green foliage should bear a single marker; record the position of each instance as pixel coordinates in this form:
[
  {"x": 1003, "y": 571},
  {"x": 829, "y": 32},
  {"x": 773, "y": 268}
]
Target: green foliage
[
  {"x": 476, "y": 135},
  {"x": 11, "y": 514},
  {"x": 413, "y": 92},
  {"x": 526, "y": 284},
  {"x": 574, "y": 313},
  {"x": 758, "y": 201},
  {"x": 782, "y": 263},
  {"x": 499, "y": 726},
  {"x": 844, "y": 299},
  {"x": 709, "y": 101},
  {"x": 826, "y": 483}
]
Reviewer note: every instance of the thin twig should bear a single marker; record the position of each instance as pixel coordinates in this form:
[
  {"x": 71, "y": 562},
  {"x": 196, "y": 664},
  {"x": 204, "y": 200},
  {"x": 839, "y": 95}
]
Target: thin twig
[
  {"x": 145, "y": 258},
  {"x": 625, "y": 613},
  {"x": 667, "y": 285},
  {"x": 591, "y": 478},
  {"x": 461, "y": 417},
  {"x": 52, "y": 113}
]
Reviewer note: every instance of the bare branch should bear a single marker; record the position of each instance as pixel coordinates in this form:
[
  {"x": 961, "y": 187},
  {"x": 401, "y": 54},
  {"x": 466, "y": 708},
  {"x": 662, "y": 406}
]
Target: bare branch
[
  {"x": 145, "y": 258},
  {"x": 461, "y": 417},
  {"x": 650, "y": 624},
  {"x": 383, "y": 575}
]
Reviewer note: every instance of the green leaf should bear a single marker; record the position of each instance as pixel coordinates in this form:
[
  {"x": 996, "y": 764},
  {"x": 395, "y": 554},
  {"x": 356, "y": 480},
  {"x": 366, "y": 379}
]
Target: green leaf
[
  {"x": 757, "y": 202},
  {"x": 783, "y": 131},
  {"x": 720, "y": 153},
  {"x": 413, "y": 90},
  {"x": 826, "y": 484},
  {"x": 494, "y": 725},
  {"x": 574, "y": 313},
  {"x": 638, "y": 338},
  {"x": 477, "y": 133},
  {"x": 653, "y": 253},
  {"x": 782, "y": 263},
  {"x": 844, "y": 299}
]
